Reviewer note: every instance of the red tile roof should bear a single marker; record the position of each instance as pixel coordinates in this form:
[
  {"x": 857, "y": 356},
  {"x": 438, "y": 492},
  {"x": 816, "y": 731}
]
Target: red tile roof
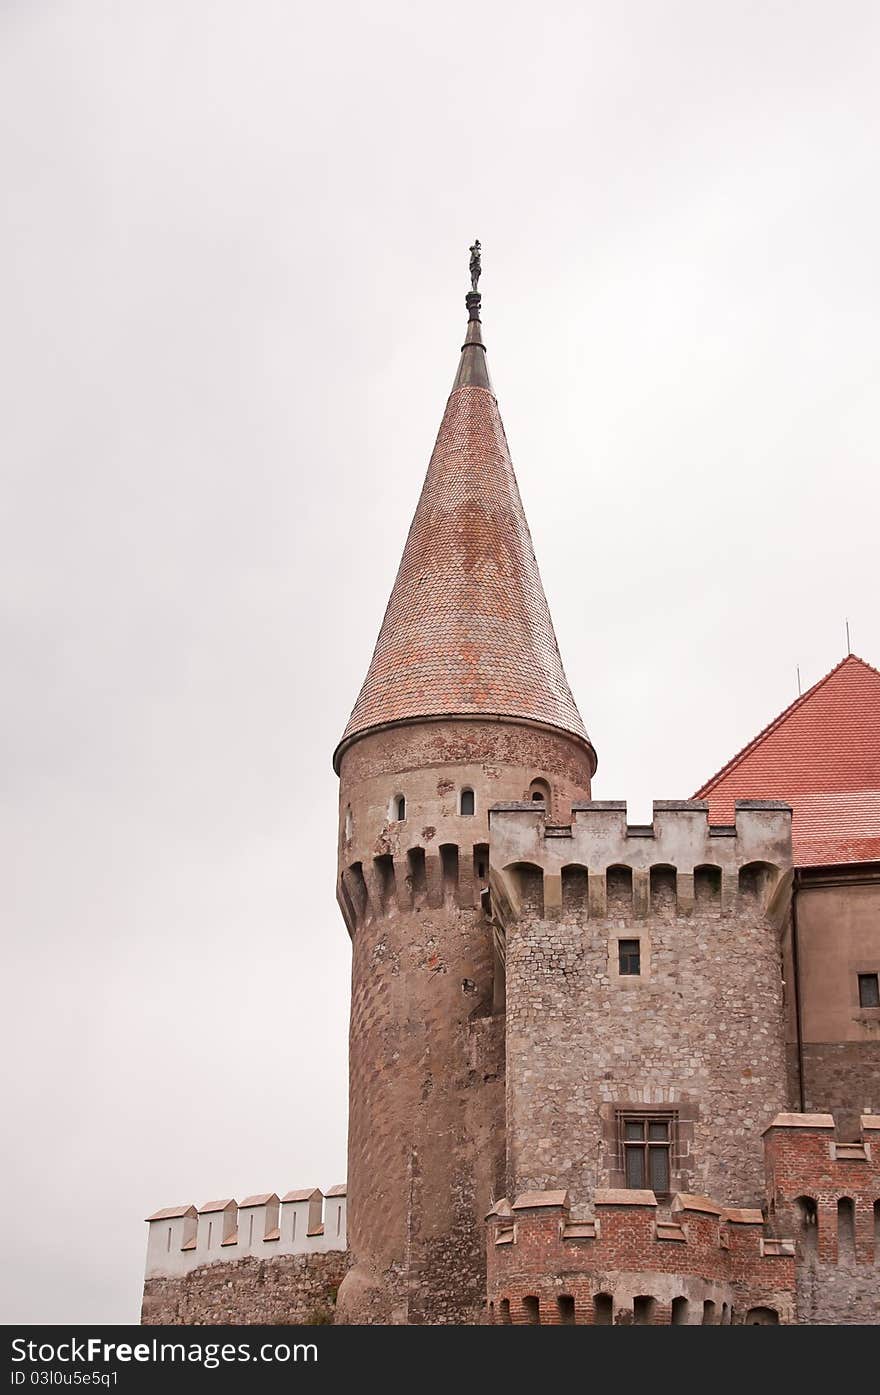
[
  {"x": 467, "y": 631},
  {"x": 821, "y": 755}
]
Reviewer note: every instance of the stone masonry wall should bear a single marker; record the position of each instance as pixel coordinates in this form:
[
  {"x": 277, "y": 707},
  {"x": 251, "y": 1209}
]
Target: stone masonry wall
[
  {"x": 842, "y": 1078},
  {"x": 287, "y": 1289},
  {"x": 699, "y": 1032}
]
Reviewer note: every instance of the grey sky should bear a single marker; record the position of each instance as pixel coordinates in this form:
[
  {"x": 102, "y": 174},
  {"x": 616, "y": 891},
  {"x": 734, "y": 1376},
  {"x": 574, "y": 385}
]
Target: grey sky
[{"x": 234, "y": 258}]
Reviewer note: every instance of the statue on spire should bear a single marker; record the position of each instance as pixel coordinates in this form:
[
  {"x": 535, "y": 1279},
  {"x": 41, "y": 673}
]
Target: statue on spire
[{"x": 475, "y": 267}]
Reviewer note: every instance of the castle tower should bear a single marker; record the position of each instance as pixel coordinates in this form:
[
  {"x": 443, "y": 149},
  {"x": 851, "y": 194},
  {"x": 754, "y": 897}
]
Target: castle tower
[{"x": 465, "y": 704}]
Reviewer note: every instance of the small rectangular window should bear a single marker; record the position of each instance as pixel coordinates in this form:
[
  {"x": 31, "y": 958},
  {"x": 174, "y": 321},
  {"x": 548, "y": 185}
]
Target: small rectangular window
[
  {"x": 869, "y": 990},
  {"x": 628, "y": 957}
]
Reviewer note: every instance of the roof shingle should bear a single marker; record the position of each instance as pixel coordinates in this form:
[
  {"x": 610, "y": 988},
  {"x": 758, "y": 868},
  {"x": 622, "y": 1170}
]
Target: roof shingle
[
  {"x": 821, "y": 755},
  {"x": 467, "y": 631}
]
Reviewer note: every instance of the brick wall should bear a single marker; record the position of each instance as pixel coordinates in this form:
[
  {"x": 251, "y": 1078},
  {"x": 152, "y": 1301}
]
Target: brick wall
[
  {"x": 826, "y": 1193},
  {"x": 701, "y": 1264}
]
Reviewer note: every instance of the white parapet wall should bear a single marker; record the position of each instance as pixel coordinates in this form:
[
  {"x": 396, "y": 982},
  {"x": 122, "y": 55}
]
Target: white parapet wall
[{"x": 183, "y": 1238}]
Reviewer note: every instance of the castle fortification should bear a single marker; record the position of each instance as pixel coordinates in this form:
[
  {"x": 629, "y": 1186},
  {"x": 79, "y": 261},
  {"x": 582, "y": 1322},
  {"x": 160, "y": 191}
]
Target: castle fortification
[{"x": 583, "y": 1053}]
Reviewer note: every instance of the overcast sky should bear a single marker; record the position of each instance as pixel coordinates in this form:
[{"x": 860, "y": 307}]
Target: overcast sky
[{"x": 233, "y": 259}]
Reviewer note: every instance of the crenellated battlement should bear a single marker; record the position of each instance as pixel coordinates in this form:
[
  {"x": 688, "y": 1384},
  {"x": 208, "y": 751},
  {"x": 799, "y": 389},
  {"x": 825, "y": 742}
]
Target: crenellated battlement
[
  {"x": 695, "y": 1262},
  {"x": 451, "y": 875},
  {"x": 825, "y": 1190},
  {"x": 600, "y": 864},
  {"x": 184, "y": 1238}
]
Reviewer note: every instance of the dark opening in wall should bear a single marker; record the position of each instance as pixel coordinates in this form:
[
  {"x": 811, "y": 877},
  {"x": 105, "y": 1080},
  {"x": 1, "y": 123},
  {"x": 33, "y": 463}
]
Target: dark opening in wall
[
  {"x": 449, "y": 869},
  {"x": 762, "y": 1317},
  {"x": 416, "y": 876},
  {"x": 710, "y": 1316},
  {"x": 358, "y": 889},
  {"x": 808, "y": 1224},
  {"x": 539, "y": 793},
  {"x": 575, "y": 888},
  {"x": 707, "y": 887},
  {"x": 531, "y": 1310},
  {"x": 603, "y": 1310},
  {"x": 869, "y": 990},
  {"x": 629, "y": 957},
  {"x": 481, "y": 863},
  {"x": 384, "y": 869},
  {"x": 399, "y": 808},
  {"x": 565, "y": 1303},
  {"x": 530, "y": 888},
  {"x": 756, "y": 882},
  {"x": 846, "y": 1230},
  {"x": 619, "y": 890},
  {"x": 664, "y": 892},
  {"x": 467, "y": 802},
  {"x": 504, "y": 1311},
  {"x": 680, "y": 1310},
  {"x": 643, "y": 1310}
]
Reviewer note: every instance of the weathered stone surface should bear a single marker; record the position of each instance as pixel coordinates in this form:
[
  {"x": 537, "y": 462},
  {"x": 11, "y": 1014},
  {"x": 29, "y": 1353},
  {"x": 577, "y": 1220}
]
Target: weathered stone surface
[{"x": 286, "y": 1289}]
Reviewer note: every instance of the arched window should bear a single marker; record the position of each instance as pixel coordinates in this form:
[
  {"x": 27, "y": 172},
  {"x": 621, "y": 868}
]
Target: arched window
[
  {"x": 565, "y": 1304},
  {"x": 398, "y": 808},
  {"x": 349, "y": 825},
  {"x": 467, "y": 802},
  {"x": 680, "y": 1311},
  {"x": 539, "y": 792},
  {"x": 603, "y": 1310},
  {"x": 531, "y": 1310}
]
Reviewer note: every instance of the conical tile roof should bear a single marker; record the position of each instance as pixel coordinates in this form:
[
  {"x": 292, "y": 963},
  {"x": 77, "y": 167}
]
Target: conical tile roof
[
  {"x": 467, "y": 631},
  {"x": 822, "y": 756}
]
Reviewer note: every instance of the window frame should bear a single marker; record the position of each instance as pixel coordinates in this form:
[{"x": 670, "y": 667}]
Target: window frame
[
  {"x": 626, "y": 955},
  {"x": 866, "y": 978},
  {"x": 646, "y": 1118}
]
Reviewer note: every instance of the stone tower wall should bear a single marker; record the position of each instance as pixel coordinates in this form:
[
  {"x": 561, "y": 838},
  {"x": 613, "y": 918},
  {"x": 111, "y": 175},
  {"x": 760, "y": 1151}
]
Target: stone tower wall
[
  {"x": 698, "y": 1034},
  {"x": 426, "y": 1122}
]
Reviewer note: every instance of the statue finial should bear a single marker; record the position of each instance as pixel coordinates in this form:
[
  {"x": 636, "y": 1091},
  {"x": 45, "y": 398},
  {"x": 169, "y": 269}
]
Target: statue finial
[{"x": 475, "y": 266}]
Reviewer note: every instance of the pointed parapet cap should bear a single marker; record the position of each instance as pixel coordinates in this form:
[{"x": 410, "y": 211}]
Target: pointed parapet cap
[
  {"x": 262, "y": 1199},
  {"x": 624, "y": 1196},
  {"x": 870, "y": 1121},
  {"x": 581, "y": 1230},
  {"x": 340, "y": 1190},
  {"x": 671, "y": 1230},
  {"x": 304, "y": 1194},
  {"x": 771, "y": 1248},
  {"x": 532, "y": 1201},
  {"x": 502, "y": 1208},
  {"x": 742, "y": 1215},
  {"x": 224, "y": 1205},
  {"x": 173, "y": 1213},
  {"x": 688, "y": 1201},
  {"x": 802, "y": 1121}
]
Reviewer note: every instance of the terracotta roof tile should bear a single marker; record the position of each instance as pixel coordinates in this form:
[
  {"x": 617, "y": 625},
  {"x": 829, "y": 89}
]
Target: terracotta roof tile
[
  {"x": 821, "y": 755},
  {"x": 467, "y": 630}
]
